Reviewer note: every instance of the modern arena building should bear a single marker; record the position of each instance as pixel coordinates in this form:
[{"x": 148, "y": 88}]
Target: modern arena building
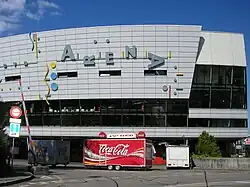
[{"x": 171, "y": 81}]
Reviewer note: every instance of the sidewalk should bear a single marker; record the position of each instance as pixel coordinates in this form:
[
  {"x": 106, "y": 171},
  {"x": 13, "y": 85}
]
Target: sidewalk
[
  {"x": 15, "y": 180},
  {"x": 20, "y": 175}
]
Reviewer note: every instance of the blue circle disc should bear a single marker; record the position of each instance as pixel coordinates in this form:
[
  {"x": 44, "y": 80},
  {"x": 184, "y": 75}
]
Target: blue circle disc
[
  {"x": 54, "y": 86},
  {"x": 53, "y": 76}
]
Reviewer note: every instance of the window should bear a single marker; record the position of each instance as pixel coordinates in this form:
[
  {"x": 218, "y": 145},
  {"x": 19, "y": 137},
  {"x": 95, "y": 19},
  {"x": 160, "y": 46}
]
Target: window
[
  {"x": 69, "y": 106},
  {"x": 177, "y": 106},
  {"x": 51, "y": 120},
  {"x": 35, "y": 120},
  {"x": 154, "y": 72},
  {"x": 12, "y": 78},
  {"x": 111, "y": 106},
  {"x": 237, "y": 123},
  {"x": 133, "y": 120},
  {"x": 221, "y": 75},
  {"x": 133, "y": 106},
  {"x": 155, "y": 120},
  {"x": 193, "y": 122},
  {"x": 238, "y": 76},
  {"x": 89, "y": 105},
  {"x": 199, "y": 97},
  {"x": 111, "y": 120},
  {"x": 220, "y": 98},
  {"x": 239, "y": 98},
  {"x": 220, "y": 123},
  {"x": 67, "y": 74},
  {"x": 69, "y": 120},
  {"x": 110, "y": 73},
  {"x": 155, "y": 106},
  {"x": 177, "y": 121},
  {"x": 202, "y": 74},
  {"x": 90, "y": 120}
]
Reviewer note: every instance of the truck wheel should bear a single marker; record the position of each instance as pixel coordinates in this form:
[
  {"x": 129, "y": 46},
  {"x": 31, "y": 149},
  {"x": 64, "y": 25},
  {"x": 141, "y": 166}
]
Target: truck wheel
[
  {"x": 110, "y": 167},
  {"x": 117, "y": 168}
]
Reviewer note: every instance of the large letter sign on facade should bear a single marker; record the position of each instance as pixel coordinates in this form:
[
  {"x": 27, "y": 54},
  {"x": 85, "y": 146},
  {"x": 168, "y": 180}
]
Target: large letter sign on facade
[
  {"x": 89, "y": 60},
  {"x": 130, "y": 51},
  {"x": 155, "y": 61},
  {"x": 67, "y": 53},
  {"x": 109, "y": 58}
]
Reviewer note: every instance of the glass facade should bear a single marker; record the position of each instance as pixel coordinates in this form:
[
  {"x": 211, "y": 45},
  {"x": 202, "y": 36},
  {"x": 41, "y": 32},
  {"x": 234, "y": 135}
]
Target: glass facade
[
  {"x": 105, "y": 112},
  {"x": 221, "y": 87}
]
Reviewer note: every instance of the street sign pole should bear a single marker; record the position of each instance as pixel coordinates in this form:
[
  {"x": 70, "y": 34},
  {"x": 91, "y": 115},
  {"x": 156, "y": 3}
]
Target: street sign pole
[
  {"x": 14, "y": 132},
  {"x": 12, "y": 151}
]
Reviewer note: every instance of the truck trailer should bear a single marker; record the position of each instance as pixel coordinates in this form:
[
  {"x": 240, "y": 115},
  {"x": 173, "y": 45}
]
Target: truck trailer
[
  {"x": 177, "y": 156},
  {"x": 116, "y": 151},
  {"x": 50, "y": 152}
]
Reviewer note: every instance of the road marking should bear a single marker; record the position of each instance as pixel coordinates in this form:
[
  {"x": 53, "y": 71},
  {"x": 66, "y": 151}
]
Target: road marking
[
  {"x": 43, "y": 183},
  {"x": 32, "y": 183},
  {"x": 25, "y": 185},
  {"x": 60, "y": 180},
  {"x": 243, "y": 182},
  {"x": 55, "y": 182},
  {"x": 73, "y": 180},
  {"x": 210, "y": 184},
  {"x": 46, "y": 177}
]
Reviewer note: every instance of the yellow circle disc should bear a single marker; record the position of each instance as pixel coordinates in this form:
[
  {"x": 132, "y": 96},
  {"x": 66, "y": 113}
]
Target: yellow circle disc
[{"x": 53, "y": 65}]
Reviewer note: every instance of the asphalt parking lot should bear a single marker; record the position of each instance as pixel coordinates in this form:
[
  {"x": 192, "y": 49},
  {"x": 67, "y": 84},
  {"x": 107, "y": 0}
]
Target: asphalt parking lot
[{"x": 71, "y": 177}]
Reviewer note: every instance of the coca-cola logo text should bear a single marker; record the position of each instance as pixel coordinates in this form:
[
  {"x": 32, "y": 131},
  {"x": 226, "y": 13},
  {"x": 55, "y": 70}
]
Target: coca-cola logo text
[{"x": 118, "y": 150}]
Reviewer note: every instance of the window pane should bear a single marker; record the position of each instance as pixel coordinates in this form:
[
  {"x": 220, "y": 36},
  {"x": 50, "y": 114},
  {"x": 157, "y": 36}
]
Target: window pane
[
  {"x": 155, "y": 120},
  {"x": 177, "y": 121},
  {"x": 221, "y": 75},
  {"x": 202, "y": 74},
  {"x": 35, "y": 121},
  {"x": 199, "y": 98},
  {"x": 90, "y": 120},
  {"x": 238, "y": 123},
  {"x": 133, "y": 120},
  {"x": 50, "y": 120},
  {"x": 153, "y": 106},
  {"x": 220, "y": 98},
  {"x": 40, "y": 106},
  {"x": 177, "y": 106},
  {"x": 239, "y": 98},
  {"x": 89, "y": 105},
  {"x": 71, "y": 120},
  {"x": 238, "y": 76},
  {"x": 132, "y": 106},
  {"x": 198, "y": 122},
  {"x": 220, "y": 123},
  {"x": 111, "y": 106},
  {"x": 111, "y": 120}
]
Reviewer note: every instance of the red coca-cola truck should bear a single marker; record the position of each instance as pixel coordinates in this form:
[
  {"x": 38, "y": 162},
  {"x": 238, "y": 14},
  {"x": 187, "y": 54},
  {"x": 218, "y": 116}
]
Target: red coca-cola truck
[{"x": 116, "y": 151}]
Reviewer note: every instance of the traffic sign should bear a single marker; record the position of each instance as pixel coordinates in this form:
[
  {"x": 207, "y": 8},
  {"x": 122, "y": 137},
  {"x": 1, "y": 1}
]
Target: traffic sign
[
  {"x": 14, "y": 120},
  {"x": 14, "y": 130},
  {"x": 16, "y": 112}
]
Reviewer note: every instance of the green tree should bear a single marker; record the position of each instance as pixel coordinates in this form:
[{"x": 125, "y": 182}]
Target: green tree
[{"x": 207, "y": 146}]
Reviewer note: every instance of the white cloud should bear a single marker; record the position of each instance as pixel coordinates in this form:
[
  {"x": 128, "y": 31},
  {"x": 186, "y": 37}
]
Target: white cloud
[
  {"x": 7, "y": 26},
  {"x": 47, "y": 4},
  {"x": 42, "y": 7},
  {"x": 13, "y": 11},
  {"x": 12, "y": 5},
  {"x": 10, "y": 13}
]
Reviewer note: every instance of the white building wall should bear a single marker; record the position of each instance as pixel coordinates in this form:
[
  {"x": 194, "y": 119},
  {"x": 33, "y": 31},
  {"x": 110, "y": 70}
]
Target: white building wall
[
  {"x": 181, "y": 41},
  {"x": 220, "y": 48}
]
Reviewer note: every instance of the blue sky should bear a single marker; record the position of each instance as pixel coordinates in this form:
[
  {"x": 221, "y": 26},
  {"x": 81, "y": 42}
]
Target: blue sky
[{"x": 22, "y": 16}]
